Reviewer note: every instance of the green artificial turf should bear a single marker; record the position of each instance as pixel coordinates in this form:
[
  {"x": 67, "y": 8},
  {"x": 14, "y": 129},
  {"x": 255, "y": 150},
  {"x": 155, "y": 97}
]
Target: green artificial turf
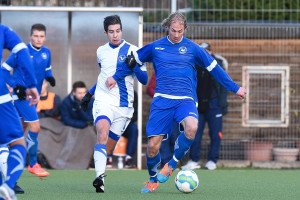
[{"x": 231, "y": 184}]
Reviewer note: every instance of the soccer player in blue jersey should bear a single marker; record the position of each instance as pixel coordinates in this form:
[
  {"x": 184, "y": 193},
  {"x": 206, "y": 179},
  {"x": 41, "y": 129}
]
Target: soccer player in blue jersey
[
  {"x": 41, "y": 58},
  {"x": 174, "y": 58},
  {"x": 114, "y": 94},
  {"x": 11, "y": 133}
]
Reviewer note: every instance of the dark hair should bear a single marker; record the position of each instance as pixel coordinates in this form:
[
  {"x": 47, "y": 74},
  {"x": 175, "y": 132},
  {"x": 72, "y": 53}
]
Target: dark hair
[
  {"x": 39, "y": 27},
  {"x": 78, "y": 84},
  {"x": 111, "y": 20}
]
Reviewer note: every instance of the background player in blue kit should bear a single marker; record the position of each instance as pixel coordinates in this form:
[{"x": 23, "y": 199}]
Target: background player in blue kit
[
  {"x": 41, "y": 58},
  {"x": 174, "y": 58},
  {"x": 11, "y": 133}
]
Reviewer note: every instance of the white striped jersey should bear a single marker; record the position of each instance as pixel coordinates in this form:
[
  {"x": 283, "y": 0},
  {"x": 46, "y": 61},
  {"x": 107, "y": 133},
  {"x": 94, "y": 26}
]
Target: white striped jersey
[{"x": 110, "y": 59}]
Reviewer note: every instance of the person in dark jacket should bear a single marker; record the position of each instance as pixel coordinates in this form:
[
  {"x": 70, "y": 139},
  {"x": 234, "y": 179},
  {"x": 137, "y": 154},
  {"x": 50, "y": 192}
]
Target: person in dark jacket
[
  {"x": 212, "y": 105},
  {"x": 71, "y": 112}
]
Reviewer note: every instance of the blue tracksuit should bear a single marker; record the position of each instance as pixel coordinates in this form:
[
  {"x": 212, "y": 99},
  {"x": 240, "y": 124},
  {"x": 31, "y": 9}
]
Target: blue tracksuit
[{"x": 212, "y": 104}]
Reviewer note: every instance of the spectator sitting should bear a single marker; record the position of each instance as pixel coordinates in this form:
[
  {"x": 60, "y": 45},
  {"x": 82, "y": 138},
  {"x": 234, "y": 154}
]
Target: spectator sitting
[
  {"x": 49, "y": 103},
  {"x": 71, "y": 112}
]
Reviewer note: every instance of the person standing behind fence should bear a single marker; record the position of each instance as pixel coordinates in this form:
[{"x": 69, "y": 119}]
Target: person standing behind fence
[{"x": 212, "y": 105}]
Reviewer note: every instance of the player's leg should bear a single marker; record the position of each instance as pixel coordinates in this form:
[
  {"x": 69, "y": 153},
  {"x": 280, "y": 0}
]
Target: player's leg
[
  {"x": 30, "y": 117},
  {"x": 160, "y": 121},
  {"x": 12, "y": 134},
  {"x": 187, "y": 114},
  {"x": 153, "y": 162},
  {"x": 100, "y": 152},
  {"x": 4, "y": 151},
  {"x": 32, "y": 148},
  {"x": 194, "y": 153},
  {"x": 215, "y": 134}
]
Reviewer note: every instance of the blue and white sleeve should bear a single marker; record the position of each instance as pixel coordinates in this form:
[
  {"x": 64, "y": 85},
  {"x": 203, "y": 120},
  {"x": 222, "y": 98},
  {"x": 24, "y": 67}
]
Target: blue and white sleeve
[
  {"x": 141, "y": 74},
  {"x": 24, "y": 61},
  {"x": 48, "y": 70},
  {"x": 204, "y": 59},
  {"x": 144, "y": 54},
  {"x": 7, "y": 68}
]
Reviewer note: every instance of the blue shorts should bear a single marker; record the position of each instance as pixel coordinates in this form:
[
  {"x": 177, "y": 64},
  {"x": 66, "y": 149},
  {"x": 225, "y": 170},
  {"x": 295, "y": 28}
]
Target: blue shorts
[
  {"x": 164, "y": 111},
  {"x": 10, "y": 124},
  {"x": 27, "y": 112}
]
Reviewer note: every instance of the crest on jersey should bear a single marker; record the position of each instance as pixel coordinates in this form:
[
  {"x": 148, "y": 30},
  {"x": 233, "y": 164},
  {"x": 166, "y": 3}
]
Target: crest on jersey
[
  {"x": 122, "y": 58},
  {"x": 44, "y": 56},
  {"x": 182, "y": 50}
]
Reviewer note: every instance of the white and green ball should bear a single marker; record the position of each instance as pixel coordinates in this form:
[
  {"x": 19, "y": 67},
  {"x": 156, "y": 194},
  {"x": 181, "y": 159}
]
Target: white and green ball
[{"x": 186, "y": 181}]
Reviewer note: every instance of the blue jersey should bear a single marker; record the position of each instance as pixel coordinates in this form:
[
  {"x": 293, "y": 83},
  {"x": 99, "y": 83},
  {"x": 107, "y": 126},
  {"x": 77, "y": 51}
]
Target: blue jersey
[
  {"x": 41, "y": 59},
  {"x": 174, "y": 65},
  {"x": 10, "y": 126},
  {"x": 11, "y": 41}
]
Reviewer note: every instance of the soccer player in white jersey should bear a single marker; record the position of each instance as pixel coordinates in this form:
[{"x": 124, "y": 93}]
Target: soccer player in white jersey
[
  {"x": 174, "y": 59},
  {"x": 114, "y": 94}
]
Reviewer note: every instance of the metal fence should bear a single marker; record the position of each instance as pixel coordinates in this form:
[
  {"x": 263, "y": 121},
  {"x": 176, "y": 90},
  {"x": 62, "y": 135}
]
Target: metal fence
[{"x": 261, "y": 34}]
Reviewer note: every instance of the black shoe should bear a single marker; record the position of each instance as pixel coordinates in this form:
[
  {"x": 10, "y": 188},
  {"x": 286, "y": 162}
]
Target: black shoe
[
  {"x": 18, "y": 189},
  {"x": 129, "y": 164},
  {"x": 99, "y": 183}
]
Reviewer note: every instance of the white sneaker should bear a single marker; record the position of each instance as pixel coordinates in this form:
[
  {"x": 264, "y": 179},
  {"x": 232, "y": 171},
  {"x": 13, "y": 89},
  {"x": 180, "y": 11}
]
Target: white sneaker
[
  {"x": 7, "y": 193},
  {"x": 190, "y": 165},
  {"x": 210, "y": 165}
]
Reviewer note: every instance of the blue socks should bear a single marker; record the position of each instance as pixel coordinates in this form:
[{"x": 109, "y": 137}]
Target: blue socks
[
  {"x": 182, "y": 145},
  {"x": 15, "y": 164},
  {"x": 152, "y": 165},
  {"x": 32, "y": 147}
]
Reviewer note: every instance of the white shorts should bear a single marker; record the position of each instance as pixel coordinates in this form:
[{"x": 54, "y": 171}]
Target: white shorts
[{"x": 118, "y": 116}]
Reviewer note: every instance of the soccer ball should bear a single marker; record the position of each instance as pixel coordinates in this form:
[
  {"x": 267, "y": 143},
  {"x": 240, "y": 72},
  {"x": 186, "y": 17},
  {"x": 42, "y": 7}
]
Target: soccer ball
[{"x": 186, "y": 181}]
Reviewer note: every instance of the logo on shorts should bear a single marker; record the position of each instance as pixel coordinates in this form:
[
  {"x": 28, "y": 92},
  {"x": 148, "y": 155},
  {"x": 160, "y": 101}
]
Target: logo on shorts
[
  {"x": 182, "y": 50},
  {"x": 121, "y": 58},
  {"x": 44, "y": 56}
]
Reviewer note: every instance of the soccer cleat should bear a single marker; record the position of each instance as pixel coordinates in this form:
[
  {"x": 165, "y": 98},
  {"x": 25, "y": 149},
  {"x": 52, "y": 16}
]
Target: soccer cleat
[
  {"x": 38, "y": 170},
  {"x": 18, "y": 189},
  {"x": 149, "y": 187},
  {"x": 164, "y": 173},
  {"x": 211, "y": 165},
  {"x": 7, "y": 193},
  {"x": 98, "y": 183},
  {"x": 190, "y": 165}
]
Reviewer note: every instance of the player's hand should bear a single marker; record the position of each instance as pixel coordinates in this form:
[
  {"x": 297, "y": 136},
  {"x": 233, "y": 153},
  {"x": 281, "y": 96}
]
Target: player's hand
[
  {"x": 130, "y": 60},
  {"x": 241, "y": 93},
  {"x": 85, "y": 101},
  {"x": 51, "y": 80},
  {"x": 110, "y": 82},
  {"x": 32, "y": 96},
  {"x": 20, "y": 92}
]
